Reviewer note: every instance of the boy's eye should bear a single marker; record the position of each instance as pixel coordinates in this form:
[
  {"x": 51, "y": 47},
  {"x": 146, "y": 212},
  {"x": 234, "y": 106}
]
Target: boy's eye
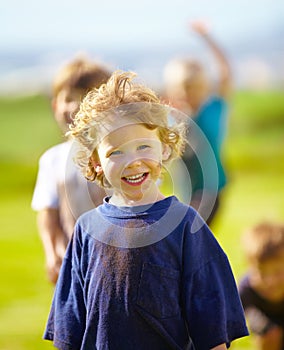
[
  {"x": 141, "y": 147},
  {"x": 114, "y": 153}
]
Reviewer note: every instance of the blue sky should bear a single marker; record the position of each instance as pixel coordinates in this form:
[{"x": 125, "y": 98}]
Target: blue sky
[
  {"x": 137, "y": 35},
  {"x": 128, "y": 22}
]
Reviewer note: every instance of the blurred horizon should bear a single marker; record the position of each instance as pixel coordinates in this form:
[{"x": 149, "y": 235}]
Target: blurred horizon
[{"x": 38, "y": 38}]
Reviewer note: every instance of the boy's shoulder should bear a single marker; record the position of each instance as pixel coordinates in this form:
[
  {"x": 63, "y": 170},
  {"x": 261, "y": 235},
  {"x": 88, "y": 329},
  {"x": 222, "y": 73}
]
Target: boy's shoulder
[
  {"x": 89, "y": 220},
  {"x": 59, "y": 148},
  {"x": 57, "y": 152}
]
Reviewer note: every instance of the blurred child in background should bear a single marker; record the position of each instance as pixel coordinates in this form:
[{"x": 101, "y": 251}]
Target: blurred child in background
[
  {"x": 262, "y": 288},
  {"x": 189, "y": 89},
  {"x": 134, "y": 275},
  {"x": 61, "y": 193}
]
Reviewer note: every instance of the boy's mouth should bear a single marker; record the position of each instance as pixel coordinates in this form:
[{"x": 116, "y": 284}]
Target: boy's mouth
[{"x": 135, "y": 179}]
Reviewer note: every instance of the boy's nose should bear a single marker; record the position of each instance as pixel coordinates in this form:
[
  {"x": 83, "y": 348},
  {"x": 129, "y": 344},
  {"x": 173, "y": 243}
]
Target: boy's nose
[{"x": 134, "y": 163}]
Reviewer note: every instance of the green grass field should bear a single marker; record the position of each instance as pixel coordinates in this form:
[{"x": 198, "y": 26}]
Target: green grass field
[{"x": 254, "y": 156}]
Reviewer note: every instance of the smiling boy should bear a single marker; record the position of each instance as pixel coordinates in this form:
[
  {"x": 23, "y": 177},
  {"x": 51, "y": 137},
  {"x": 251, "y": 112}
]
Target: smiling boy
[
  {"x": 137, "y": 273},
  {"x": 131, "y": 167}
]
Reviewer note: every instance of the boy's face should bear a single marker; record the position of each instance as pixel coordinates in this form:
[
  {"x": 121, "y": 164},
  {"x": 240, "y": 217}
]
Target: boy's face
[
  {"x": 65, "y": 105},
  {"x": 130, "y": 158},
  {"x": 268, "y": 278},
  {"x": 196, "y": 93},
  {"x": 189, "y": 95}
]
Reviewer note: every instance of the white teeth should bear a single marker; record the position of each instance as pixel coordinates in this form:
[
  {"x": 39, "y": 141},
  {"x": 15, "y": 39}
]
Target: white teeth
[{"x": 135, "y": 178}]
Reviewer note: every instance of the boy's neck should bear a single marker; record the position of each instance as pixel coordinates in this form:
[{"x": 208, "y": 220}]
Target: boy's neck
[{"x": 123, "y": 201}]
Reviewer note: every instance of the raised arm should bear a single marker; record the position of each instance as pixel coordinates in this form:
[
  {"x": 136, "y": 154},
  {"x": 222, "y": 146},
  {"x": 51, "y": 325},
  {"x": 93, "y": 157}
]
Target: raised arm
[
  {"x": 54, "y": 241},
  {"x": 225, "y": 77}
]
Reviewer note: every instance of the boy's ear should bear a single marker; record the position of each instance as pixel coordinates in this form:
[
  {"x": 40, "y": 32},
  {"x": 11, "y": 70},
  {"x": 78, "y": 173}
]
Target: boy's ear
[
  {"x": 98, "y": 169},
  {"x": 166, "y": 152},
  {"x": 97, "y": 166}
]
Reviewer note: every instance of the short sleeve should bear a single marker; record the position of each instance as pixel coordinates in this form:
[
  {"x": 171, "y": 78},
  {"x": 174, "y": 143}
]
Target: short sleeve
[
  {"x": 45, "y": 192},
  {"x": 214, "y": 311},
  {"x": 214, "y": 308},
  {"x": 67, "y": 318}
]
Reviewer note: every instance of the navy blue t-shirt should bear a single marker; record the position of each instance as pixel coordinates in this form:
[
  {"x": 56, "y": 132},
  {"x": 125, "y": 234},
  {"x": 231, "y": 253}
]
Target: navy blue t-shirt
[{"x": 148, "y": 277}]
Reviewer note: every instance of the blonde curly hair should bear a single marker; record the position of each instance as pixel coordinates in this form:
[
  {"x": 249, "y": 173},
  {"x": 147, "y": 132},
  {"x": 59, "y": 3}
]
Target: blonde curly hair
[{"x": 120, "y": 97}]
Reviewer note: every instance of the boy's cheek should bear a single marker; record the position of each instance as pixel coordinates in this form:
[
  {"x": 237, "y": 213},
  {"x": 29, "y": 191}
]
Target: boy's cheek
[{"x": 111, "y": 168}]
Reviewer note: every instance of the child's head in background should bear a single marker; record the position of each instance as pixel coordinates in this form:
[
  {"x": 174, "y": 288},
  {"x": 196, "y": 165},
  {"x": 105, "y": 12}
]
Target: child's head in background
[
  {"x": 264, "y": 249},
  {"x": 71, "y": 84},
  {"x": 186, "y": 83},
  {"x": 126, "y": 138}
]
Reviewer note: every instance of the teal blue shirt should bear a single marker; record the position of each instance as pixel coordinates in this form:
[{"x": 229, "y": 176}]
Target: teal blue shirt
[{"x": 204, "y": 159}]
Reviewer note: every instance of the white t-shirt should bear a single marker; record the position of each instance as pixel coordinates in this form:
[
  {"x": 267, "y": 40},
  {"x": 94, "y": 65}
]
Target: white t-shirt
[{"x": 61, "y": 185}]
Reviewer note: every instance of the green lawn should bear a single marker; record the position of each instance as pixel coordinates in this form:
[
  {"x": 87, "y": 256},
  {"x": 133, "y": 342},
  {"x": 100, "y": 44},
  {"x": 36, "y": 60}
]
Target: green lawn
[{"x": 254, "y": 156}]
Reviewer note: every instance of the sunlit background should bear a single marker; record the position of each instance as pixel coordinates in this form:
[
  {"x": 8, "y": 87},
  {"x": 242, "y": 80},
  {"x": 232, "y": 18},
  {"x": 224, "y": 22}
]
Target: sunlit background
[{"x": 37, "y": 37}]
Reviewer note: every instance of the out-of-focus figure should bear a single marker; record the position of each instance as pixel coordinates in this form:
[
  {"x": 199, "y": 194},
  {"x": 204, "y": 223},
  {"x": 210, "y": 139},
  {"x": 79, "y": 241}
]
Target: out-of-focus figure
[
  {"x": 262, "y": 287},
  {"x": 188, "y": 87},
  {"x": 61, "y": 192}
]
